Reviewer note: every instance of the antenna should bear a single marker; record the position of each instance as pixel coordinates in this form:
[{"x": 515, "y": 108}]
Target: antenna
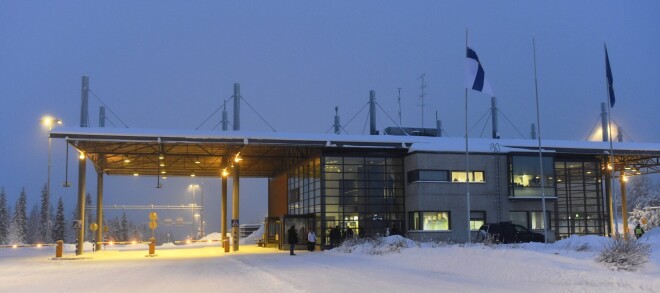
[
  {"x": 422, "y": 87},
  {"x": 399, "y": 101}
]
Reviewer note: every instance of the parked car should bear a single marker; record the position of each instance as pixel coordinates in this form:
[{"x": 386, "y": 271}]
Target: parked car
[{"x": 507, "y": 232}]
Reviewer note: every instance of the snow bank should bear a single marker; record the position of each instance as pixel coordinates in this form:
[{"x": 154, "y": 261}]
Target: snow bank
[
  {"x": 252, "y": 238},
  {"x": 376, "y": 246}
]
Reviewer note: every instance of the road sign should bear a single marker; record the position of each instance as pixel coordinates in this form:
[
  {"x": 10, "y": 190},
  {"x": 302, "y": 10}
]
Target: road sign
[
  {"x": 234, "y": 223},
  {"x": 93, "y": 227},
  {"x": 153, "y": 216},
  {"x": 153, "y": 225},
  {"x": 105, "y": 229}
]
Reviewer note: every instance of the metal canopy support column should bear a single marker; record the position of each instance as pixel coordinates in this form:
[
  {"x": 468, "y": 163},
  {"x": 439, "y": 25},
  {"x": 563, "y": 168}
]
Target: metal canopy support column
[
  {"x": 608, "y": 196},
  {"x": 99, "y": 209},
  {"x": 624, "y": 207},
  {"x": 82, "y": 167},
  {"x": 234, "y": 205},
  {"x": 223, "y": 210}
]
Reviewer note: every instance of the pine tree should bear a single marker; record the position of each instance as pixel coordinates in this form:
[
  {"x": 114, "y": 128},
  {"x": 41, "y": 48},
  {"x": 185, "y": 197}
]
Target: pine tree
[
  {"x": 4, "y": 218},
  {"x": 18, "y": 230},
  {"x": 642, "y": 193},
  {"x": 89, "y": 218},
  {"x": 33, "y": 226},
  {"x": 44, "y": 217},
  {"x": 59, "y": 229},
  {"x": 123, "y": 233}
]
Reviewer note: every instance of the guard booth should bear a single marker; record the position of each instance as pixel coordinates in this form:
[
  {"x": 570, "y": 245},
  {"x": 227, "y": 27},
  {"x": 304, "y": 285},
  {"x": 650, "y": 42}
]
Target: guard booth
[{"x": 272, "y": 232}]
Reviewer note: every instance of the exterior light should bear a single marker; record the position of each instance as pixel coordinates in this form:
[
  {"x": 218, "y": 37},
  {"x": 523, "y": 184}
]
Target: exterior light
[
  {"x": 82, "y": 155},
  {"x": 192, "y": 175},
  {"x": 49, "y": 121},
  {"x": 14, "y": 246},
  {"x": 136, "y": 174},
  {"x": 238, "y": 158},
  {"x": 224, "y": 172},
  {"x": 609, "y": 167},
  {"x": 38, "y": 245},
  {"x": 627, "y": 168},
  {"x": 133, "y": 242},
  {"x": 161, "y": 157},
  {"x": 625, "y": 178},
  {"x": 162, "y": 172},
  {"x": 127, "y": 160},
  {"x": 111, "y": 243},
  {"x": 162, "y": 164},
  {"x": 188, "y": 241}
]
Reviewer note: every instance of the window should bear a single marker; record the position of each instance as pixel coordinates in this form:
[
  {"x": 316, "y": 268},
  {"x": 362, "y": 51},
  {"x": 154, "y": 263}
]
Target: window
[
  {"x": 428, "y": 175},
  {"x": 525, "y": 176},
  {"x": 477, "y": 219},
  {"x": 430, "y": 221},
  {"x": 519, "y": 218},
  {"x": 538, "y": 220},
  {"x": 475, "y": 176}
]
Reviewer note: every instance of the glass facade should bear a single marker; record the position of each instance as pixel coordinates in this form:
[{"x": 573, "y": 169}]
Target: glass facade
[
  {"x": 304, "y": 192},
  {"x": 525, "y": 177},
  {"x": 363, "y": 193},
  {"x": 579, "y": 208}
]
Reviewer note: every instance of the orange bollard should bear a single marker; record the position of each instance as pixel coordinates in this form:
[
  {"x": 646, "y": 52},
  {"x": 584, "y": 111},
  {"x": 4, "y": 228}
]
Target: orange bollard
[
  {"x": 58, "y": 248},
  {"x": 152, "y": 246},
  {"x": 225, "y": 244}
]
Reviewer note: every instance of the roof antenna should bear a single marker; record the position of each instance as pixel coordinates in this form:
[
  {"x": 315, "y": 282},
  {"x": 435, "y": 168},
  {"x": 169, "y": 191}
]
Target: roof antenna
[{"x": 422, "y": 87}]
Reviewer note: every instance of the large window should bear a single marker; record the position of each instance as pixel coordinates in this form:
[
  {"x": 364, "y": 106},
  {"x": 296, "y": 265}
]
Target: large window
[
  {"x": 363, "y": 193},
  {"x": 530, "y": 220},
  {"x": 475, "y": 176},
  {"x": 525, "y": 177},
  {"x": 580, "y": 206},
  {"x": 430, "y": 221},
  {"x": 428, "y": 176},
  {"x": 519, "y": 218}
]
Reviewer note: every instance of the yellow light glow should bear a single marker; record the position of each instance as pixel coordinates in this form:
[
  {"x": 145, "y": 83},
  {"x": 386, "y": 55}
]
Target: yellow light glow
[
  {"x": 198, "y": 161},
  {"x": 82, "y": 156},
  {"x": 38, "y": 245},
  {"x": 133, "y": 242},
  {"x": 609, "y": 167},
  {"x": 625, "y": 178},
  {"x": 47, "y": 120},
  {"x": 127, "y": 160},
  {"x": 162, "y": 172},
  {"x": 192, "y": 175},
  {"x": 162, "y": 164},
  {"x": 14, "y": 246},
  {"x": 161, "y": 157},
  {"x": 111, "y": 243},
  {"x": 210, "y": 241},
  {"x": 136, "y": 174},
  {"x": 224, "y": 172},
  {"x": 188, "y": 241},
  {"x": 238, "y": 158}
]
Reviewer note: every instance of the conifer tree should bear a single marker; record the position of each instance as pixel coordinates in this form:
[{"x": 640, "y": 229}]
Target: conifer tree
[
  {"x": 44, "y": 217},
  {"x": 18, "y": 230},
  {"x": 33, "y": 229},
  {"x": 59, "y": 228},
  {"x": 4, "y": 218}
]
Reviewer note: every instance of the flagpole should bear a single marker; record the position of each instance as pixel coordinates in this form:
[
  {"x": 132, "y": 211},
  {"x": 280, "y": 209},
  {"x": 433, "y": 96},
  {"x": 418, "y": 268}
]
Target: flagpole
[
  {"x": 467, "y": 156},
  {"x": 609, "y": 130},
  {"x": 538, "y": 125}
]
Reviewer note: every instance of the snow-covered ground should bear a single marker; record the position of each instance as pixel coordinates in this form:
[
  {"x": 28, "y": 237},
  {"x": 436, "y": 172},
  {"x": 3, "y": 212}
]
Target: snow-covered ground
[{"x": 394, "y": 265}]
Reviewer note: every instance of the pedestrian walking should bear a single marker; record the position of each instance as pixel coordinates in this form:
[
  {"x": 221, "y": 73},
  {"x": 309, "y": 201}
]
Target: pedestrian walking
[
  {"x": 311, "y": 240},
  {"x": 293, "y": 238},
  {"x": 335, "y": 236}
]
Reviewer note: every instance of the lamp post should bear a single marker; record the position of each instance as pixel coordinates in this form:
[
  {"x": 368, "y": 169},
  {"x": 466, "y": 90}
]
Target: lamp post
[{"x": 49, "y": 122}]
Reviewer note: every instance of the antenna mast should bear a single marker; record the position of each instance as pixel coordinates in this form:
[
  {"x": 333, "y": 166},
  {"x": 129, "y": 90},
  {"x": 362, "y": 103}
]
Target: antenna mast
[
  {"x": 422, "y": 87},
  {"x": 399, "y": 101}
]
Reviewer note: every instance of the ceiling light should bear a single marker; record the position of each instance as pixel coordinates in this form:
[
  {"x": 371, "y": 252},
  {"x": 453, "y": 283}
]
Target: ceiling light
[
  {"x": 162, "y": 172},
  {"x": 162, "y": 164},
  {"x": 82, "y": 155},
  {"x": 161, "y": 157},
  {"x": 136, "y": 174}
]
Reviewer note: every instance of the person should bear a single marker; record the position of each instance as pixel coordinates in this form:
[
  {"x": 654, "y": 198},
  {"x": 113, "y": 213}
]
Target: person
[
  {"x": 639, "y": 231},
  {"x": 311, "y": 240},
  {"x": 394, "y": 230},
  {"x": 293, "y": 238},
  {"x": 387, "y": 231},
  {"x": 335, "y": 236},
  {"x": 349, "y": 233}
]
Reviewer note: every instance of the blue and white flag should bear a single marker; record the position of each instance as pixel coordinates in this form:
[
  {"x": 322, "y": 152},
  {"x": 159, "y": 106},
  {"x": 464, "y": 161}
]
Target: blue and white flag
[
  {"x": 610, "y": 80},
  {"x": 474, "y": 74}
]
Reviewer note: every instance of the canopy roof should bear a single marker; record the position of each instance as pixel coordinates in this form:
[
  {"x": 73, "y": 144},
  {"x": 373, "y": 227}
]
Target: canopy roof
[{"x": 117, "y": 151}]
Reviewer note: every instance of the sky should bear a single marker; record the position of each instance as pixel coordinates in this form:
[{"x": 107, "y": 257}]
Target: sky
[{"x": 170, "y": 64}]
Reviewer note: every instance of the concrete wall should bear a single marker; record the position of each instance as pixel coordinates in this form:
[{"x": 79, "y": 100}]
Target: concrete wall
[{"x": 451, "y": 196}]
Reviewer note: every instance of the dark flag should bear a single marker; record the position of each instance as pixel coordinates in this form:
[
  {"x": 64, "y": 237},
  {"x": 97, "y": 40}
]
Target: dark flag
[
  {"x": 475, "y": 77},
  {"x": 610, "y": 86}
]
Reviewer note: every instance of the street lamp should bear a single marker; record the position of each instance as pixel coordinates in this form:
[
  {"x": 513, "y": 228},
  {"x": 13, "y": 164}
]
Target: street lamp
[{"x": 50, "y": 122}]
